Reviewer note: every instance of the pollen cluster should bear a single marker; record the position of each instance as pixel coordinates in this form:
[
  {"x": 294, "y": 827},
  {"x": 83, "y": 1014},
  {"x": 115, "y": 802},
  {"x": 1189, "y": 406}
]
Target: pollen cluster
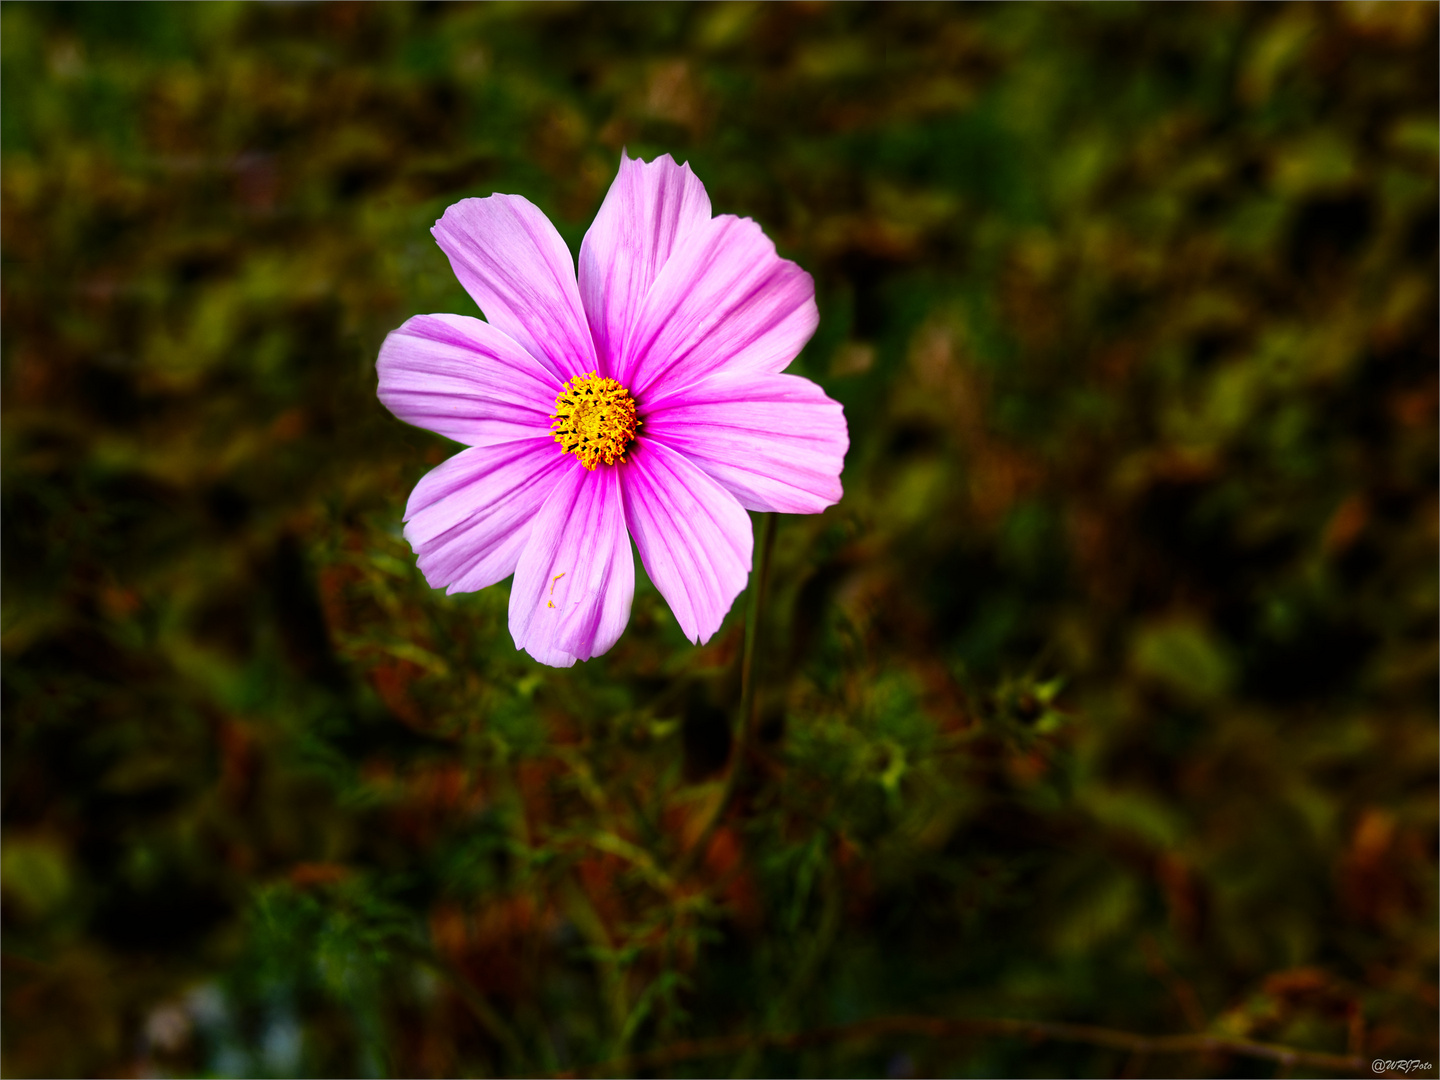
[{"x": 594, "y": 419}]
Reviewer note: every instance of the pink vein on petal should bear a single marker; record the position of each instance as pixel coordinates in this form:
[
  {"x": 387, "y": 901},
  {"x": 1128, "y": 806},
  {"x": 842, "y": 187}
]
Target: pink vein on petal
[
  {"x": 468, "y": 518},
  {"x": 464, "y": 379},
  {"x": 693, "y": 536},
  {"x": 648, "y": 211},
  {"x": 576, "y": 577},
  {"x": 775, "y": 442},
  {"x": 723, "y": 301},
  {"x": 518, "y": 269}
]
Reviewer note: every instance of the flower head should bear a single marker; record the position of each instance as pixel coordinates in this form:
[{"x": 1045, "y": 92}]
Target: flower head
[{"x": 642, "y": 400}]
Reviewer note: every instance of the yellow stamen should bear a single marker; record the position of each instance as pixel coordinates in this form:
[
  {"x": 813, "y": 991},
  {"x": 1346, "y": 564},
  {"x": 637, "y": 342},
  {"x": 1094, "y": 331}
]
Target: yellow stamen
[{"x": 595, "y": 420}]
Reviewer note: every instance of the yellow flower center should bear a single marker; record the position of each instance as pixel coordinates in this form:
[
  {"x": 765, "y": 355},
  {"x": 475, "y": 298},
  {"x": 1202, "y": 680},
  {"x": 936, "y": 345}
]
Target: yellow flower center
[{"x": 594, "y": 419}]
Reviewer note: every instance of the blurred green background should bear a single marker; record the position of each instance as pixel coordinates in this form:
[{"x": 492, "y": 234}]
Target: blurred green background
[{"x": 1106, "y": 695}]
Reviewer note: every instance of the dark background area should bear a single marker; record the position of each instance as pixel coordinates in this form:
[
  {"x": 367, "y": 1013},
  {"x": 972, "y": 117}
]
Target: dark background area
[{"x": 1107, "y": 694}]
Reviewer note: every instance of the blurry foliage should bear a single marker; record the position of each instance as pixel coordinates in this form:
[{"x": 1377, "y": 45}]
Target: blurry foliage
[{"x": 1107, "y": 693}]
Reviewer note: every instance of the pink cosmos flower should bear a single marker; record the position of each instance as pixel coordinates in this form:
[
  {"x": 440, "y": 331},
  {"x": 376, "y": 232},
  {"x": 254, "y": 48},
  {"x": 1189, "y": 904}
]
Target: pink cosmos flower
[{"x": 644, "y": 400}]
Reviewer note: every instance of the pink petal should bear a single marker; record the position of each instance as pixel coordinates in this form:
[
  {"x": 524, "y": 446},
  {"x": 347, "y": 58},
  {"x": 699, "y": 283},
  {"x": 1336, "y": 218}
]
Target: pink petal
[
  {"x": 576, "y": 577},
  {"x": 513, "y": 262},
  {"x": 648, "y": 209},
  {"x": 464, "y": 379},
  {"x": 468, "y": 518},
  {"x": 724, "y": 299},
  {"x": 693, "y": 537},
  {"x": 548, "y": 655},
  {"x": 775, "y": 442}
]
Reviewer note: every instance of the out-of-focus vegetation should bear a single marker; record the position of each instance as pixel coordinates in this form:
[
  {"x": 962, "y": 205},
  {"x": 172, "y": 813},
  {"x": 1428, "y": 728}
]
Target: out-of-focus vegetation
[{"x": 1106, "y": 695}]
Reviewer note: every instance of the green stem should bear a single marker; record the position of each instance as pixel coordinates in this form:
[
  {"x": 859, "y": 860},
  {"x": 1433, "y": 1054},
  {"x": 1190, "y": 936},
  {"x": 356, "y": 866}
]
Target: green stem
[
  {"x": 476, "y": 1002},
  {"x": 808, "y": 966},
  {"x": 582, "y": 914},
  {"x": 745, "y": 718}
]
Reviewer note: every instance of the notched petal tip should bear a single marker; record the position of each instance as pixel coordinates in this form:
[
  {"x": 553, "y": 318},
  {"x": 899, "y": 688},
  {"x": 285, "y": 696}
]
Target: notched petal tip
[
  {"x": 650, "y": 212},
  {"x": 555, "y": 658}
]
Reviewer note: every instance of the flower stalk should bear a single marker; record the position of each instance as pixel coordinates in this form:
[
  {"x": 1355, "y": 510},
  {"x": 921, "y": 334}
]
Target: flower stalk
[
  {"x": 745, "y": 722},
  {"x": 743, "y": 728}
]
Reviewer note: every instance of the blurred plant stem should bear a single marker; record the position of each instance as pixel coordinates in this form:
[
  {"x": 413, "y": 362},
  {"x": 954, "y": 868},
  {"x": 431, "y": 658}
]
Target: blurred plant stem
[
  {"x": 581, "y": 912},
  {"x": 808, "y": 963},
  {"x": 476, "y": 1002},
  {"x": 744, "y": 723}
]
